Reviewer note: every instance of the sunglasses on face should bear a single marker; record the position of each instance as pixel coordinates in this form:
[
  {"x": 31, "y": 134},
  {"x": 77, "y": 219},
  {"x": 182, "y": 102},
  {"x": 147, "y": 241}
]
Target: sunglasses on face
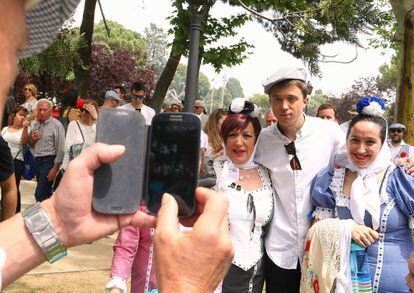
[
  {"x": 136, "y": 97},
  {"x": 27, "y": 89},
  {"x": 397, "y": 130},
  {"x": 174, "y": 108},
  {"x": 84, "y": 110},
  {"x": 197, "y": 107},
  {"x": 294, "y": 162}
]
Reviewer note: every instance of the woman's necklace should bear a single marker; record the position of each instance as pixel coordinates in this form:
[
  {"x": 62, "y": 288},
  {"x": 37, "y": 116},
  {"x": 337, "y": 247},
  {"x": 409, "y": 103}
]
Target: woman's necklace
[{"x": 247, "y": 176}]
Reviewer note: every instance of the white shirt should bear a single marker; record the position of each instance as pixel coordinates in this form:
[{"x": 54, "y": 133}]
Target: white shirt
[
  {"x": 395, "y": 151},
  {"x": 248, "y": 243},
  {"x": 148, "y": 112},
  {"x": 13, "y": 139},
  {"x": 74, "y": 136},
  {"x": 317, "y": 142},
  {"x": 203, "y": 140}
]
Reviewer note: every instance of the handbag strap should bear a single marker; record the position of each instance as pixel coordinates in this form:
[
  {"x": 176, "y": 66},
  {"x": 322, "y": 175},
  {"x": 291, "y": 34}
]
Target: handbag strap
[{"x": 80, "y": 130}]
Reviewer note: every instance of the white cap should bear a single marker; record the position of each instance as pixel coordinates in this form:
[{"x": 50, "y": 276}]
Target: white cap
[{"x": 282, "y": 74}]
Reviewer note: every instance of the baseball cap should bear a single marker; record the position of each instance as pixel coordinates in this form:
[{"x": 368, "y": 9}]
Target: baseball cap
[
  {"x": 284, "y": 73},
  {"x": 112, "y": 95},
  {"x": 397, "y": 126},
  {"x": 44, "y": 18}
]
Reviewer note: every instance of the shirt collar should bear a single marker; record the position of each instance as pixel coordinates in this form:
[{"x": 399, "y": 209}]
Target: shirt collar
[
  {"x": 305, "y": 129},
  {"x": 47, "y": 120}
]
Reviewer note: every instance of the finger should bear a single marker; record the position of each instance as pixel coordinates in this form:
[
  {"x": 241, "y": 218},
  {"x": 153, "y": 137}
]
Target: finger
[
  {"x": 369, "y": 238},
  {"x": 167, "y": 217},
  {"x": 374, "y": 234},
  {"x": 138, "y": 219},
  {"x": 214, "y": 212},
  {"x": 97, "y": 154}
]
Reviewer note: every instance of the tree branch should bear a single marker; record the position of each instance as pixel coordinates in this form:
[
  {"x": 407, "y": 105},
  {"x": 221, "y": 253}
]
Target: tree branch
[{"x": 341, "y": 62}]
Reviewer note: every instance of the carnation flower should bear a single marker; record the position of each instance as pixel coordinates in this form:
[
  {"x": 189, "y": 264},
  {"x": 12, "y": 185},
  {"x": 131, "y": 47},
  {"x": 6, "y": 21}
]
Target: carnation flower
[{"x": 79, "y": 103}]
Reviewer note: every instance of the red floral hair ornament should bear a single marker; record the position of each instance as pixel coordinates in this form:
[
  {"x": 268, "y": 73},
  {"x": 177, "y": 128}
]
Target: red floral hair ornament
[
  {"x": 79, "y": 103},
  {"x": 403, "y": 154}
]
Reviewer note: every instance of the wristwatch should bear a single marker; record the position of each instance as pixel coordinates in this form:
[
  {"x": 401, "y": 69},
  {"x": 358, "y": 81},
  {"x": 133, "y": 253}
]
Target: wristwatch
[{"x": 38, "y": 223}]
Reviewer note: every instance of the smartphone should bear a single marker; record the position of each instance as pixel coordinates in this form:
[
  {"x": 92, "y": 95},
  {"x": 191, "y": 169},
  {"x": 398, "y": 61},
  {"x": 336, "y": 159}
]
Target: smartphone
[
  {"x": 172, "y": 162},
  {"x": 117, "y": 187}
]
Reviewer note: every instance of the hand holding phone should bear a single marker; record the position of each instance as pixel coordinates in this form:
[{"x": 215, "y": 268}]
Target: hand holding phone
[
  {"x": 117, "y": 187},
  {"x": 173, "y": 157}
]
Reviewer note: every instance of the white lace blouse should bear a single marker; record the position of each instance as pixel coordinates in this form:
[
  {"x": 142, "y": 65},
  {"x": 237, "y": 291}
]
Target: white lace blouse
[{"x": 249, "y": 212}]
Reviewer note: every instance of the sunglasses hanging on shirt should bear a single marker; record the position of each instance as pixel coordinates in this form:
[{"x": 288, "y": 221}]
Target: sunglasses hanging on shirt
[{"x": 294, "y": 162}]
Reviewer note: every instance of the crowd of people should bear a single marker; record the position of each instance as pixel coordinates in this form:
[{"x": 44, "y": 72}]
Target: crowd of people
[{"x": 283, "y": 206}]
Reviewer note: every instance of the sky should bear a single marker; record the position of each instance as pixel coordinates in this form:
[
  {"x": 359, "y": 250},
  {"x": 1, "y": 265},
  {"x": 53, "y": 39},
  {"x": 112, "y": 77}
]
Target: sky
[{"x": 266, "y": 57}]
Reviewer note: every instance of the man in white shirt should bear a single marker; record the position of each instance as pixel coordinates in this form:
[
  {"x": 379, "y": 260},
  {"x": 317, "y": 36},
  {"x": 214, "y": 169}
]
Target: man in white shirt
[
  {"x": 294, "y": 150},
  {"x": 399, "y": 149},
  {"x": 137, "y": 104}
]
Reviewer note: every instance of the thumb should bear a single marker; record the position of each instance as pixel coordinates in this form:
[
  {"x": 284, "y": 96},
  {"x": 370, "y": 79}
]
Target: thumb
[{"x": 96, "y": 155}]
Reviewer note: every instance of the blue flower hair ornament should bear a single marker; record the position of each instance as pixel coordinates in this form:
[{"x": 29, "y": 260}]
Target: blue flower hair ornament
[{"x": 373, "y": 106}]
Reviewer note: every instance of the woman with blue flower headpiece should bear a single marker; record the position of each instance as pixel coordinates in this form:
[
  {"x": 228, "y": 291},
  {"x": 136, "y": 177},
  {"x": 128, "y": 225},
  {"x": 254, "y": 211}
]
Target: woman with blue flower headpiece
[{"x": 374, "y": 196}]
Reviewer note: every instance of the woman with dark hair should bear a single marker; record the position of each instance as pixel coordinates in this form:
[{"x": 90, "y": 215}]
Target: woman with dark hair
[
  {"x": 374, "y": 196},
  {"x": 69, "y": 111},
  {"x": 248, "y": 188},
  {"x": 16, "y": 135}
]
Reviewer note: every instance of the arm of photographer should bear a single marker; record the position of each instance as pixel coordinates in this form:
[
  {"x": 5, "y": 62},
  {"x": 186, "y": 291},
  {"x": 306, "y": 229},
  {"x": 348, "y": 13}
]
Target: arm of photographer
[{"x": 76, "y": 223}]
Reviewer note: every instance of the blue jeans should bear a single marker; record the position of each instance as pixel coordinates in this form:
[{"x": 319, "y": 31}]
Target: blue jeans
[
  {"x": 42, "y": 168},
  {"x": 18, "y": 171}
]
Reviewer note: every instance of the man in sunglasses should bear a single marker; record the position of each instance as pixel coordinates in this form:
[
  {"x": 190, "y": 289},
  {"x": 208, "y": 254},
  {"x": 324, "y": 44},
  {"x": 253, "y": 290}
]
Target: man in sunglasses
[
  {"x": 399, "y": 149},
  {"x": 294, "y": 149},
  {"x": 137, "y": 103},
  {"x": 112, "y": 100}
]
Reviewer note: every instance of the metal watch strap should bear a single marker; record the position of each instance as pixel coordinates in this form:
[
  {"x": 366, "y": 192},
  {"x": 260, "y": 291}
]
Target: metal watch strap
[{"x": 40, "y": 226}]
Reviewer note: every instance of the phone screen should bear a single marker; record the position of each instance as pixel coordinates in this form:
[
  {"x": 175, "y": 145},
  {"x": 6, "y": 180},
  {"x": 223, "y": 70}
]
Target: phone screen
[{"x": 173, "y": 163}]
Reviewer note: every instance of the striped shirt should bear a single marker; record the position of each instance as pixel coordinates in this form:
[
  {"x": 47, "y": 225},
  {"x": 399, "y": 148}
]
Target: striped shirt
[{"x": 52, "y": 140}]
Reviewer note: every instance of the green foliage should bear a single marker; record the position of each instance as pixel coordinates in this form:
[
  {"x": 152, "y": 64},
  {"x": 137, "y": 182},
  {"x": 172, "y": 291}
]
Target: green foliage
[
  {"x": 388, "y": 77},
  {"x": 57, "y": 60},
  {"x": 216, "y": 94},
  {"x": 262, "y": 101},
  {"x": 178, "y": 83},
  {"x": 234, "y": 87},
  {"x": 156, "y": 45},
  {"x": 301, "y": 27},
  {"x": 317, "y": 99},
  {"x": 120, "y": 37},
  {"x": 384, "y": 35},
  {"x": 212, "y": 30}
]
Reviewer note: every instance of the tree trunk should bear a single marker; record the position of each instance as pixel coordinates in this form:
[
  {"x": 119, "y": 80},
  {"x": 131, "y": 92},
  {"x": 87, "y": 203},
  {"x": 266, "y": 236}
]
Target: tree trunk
[
  {"x": 405, "y": 93},
  {"x": 165, "y": 79},
  {"x": 85, "y": 52}
]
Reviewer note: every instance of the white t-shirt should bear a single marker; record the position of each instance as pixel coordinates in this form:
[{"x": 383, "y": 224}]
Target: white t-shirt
[
  {"x": 148, "y": 112},
  {"x": 13, "y": 140},
  {"x": 74, "y": 136},
  {"x": 317, "y": 143}
]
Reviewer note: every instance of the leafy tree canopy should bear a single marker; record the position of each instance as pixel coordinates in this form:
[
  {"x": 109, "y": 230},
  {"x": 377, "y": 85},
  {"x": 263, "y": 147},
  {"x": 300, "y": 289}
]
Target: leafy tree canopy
[
  {"x": 302, "y": 26},
  {"x": 156, "y": 47},
  {"x": 178, "y": 83},
  {"x": 234, "y": 87},
  {"x": 120, "y": 37}
]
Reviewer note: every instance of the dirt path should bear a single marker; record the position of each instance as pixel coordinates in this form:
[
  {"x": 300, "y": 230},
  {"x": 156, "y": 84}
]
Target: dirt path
[{"x": 87, "y": 281}]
